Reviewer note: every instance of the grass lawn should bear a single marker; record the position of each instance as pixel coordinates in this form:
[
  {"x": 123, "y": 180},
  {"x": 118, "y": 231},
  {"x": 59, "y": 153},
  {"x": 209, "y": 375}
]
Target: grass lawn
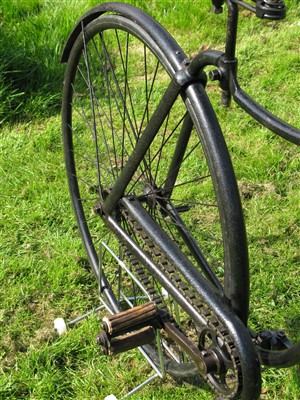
[{"x": 43, "y": 268}]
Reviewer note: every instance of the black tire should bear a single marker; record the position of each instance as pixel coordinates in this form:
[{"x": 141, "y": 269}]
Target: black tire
[{"x": 115, "y": 77}]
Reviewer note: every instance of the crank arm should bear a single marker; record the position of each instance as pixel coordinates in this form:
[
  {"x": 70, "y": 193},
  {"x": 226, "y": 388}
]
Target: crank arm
[{"x": 206, "y": 361}]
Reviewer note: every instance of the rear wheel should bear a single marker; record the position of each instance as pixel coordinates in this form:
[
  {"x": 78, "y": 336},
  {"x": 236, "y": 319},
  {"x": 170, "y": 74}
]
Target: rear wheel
[{"x": 115, "y": 78}]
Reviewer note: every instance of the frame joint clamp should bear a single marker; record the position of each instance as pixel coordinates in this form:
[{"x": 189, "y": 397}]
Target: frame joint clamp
[{"x": 183, "y": 78}]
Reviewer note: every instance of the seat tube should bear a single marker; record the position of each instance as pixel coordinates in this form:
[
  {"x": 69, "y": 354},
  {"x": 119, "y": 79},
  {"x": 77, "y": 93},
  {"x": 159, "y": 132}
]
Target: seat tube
[{"x": 231, "y": 34}]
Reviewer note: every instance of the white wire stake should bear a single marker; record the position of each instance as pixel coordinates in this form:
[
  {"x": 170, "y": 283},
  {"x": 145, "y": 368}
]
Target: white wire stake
[
  {"x": 140, "y": 386},
  {"x": 61, "y": 326},
  {"x": 85, "y": 315}
]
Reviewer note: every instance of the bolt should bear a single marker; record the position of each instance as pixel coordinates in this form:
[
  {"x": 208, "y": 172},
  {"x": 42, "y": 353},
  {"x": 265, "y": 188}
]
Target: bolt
[
  {"x": 217, "y": 10},
  {"x": 214, "y": 75},
  {"x": 98, "y": 209}
]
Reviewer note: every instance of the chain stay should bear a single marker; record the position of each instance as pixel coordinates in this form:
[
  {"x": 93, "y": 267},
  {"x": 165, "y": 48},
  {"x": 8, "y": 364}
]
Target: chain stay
[{"x": 211, "y": 320}]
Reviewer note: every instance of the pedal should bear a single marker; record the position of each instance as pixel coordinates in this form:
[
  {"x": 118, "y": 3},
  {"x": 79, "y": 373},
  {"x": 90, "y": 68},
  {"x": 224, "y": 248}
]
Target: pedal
[
  {"x": 129, "y": 329},
  {"x": 127, "y": 342},
  {"x": 273, "y": 340},
  {"x": 132, "y": 319}
]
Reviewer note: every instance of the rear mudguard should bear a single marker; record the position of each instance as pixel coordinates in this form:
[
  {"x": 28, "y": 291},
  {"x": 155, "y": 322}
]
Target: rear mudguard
[{"x": 151, "y": 26}]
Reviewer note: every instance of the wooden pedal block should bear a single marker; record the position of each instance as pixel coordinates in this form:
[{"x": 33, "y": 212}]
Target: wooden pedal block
[
  {"x": 127, "y": 342},
  {"x": 132, "y": 319}
]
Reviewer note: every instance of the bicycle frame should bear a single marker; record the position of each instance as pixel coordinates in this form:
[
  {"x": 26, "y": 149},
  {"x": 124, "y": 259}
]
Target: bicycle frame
[{"x": 187, "y": 76}]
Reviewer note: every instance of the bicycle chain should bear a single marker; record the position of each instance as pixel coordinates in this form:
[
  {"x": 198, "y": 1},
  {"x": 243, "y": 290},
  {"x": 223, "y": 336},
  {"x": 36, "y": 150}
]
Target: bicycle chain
[{"x": 212, "y": 321}]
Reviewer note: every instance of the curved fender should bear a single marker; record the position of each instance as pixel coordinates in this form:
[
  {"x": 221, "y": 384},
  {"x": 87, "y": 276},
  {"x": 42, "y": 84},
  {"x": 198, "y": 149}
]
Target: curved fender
[
  {"x": 88, "y": 17},
  {"x": 150, "y": 25}
]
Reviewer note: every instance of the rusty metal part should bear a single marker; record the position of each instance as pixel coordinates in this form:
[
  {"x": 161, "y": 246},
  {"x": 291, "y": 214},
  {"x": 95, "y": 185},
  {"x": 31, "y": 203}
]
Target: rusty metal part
[{"x": 206, "y": 361}]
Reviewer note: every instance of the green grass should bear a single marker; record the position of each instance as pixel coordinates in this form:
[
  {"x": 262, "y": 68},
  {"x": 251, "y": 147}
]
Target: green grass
[
  {"x": 31, "y": 41},
  {"x": 43, "y": 268}
]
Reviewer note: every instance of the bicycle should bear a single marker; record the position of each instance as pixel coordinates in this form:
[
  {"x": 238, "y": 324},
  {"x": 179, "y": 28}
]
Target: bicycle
[{"x": 156, "y": 199}]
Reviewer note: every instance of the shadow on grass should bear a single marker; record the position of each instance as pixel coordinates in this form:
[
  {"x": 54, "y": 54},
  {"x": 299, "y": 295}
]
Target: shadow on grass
[
  {"x": 28, "y": 89},
  {"x": 31, "y": 75}
]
